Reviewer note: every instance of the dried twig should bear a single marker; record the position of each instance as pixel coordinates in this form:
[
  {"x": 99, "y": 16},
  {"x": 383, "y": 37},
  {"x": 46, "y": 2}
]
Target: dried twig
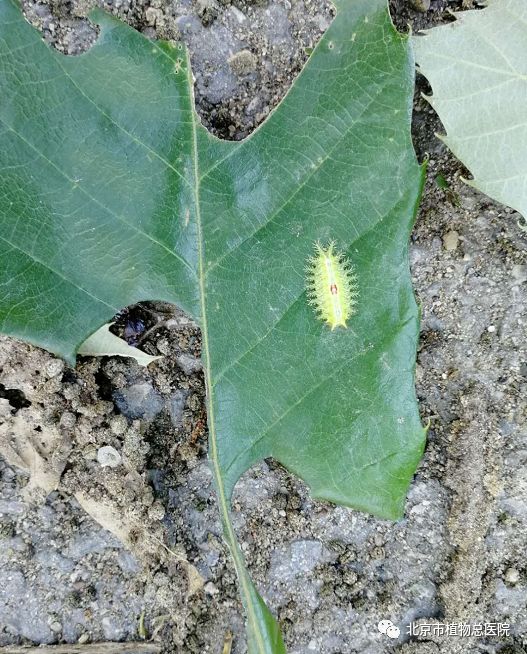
[{"x": 90, "y": 648}]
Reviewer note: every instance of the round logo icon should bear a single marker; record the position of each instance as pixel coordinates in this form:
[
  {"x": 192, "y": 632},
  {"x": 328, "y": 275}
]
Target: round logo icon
[{"x": 389, "y": 629}]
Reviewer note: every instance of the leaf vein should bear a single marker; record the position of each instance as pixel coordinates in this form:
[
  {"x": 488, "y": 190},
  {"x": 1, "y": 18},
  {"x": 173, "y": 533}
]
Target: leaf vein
[
  {"x": 32, "y": 257},
  {"x": 93, "y": 199},
  {"x": 300, "y": 187}
]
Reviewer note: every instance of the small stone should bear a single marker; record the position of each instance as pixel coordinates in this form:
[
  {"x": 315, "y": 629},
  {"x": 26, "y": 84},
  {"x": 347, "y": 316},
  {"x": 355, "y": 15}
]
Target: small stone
[
  {"x": 379, "y": 540},
  {"x": 468, "y": 202},
  {"x": 108, "y": 456},
  {"x": 519, "y": 272},
  {"x": 149, "y": 32},
  {"x": 512, "y": 576},
  {"x": 55, "y": 627},
  {"x": 350, "y": 577},
  {"x": 420, "y": 5},
  {"x": 210, "y": 588},
  {"x": 239, "y": 15},
  {"x": 118, "y": 425},
  {"x": 53, "y": 368},
  {"x": 188, "y": 452},
  {"x": 90, "y": 452},
  {"x": 176, "y": 406},
  {"x": 243, "y": 62},
  {"x": 254, "y": 104},
  {"x": 491, "y": 329},
  {"x": 163, "y": 346},
  {"x": 377, "y": 553},
  {"x": 83, "y": 639},
  {"x": 139, "y": 400},
  {"x": 207, "y": 11},
  {"x": 153, "y": 16},
  {"x": 451, "y": 240},
  {"x": 189, "y": 364},
  {"x": 156, "y": 511},
  {"x": 148, "y": 496}
]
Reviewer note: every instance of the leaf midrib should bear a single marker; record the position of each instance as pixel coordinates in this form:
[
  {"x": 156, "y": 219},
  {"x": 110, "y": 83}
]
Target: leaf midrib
[
  {"x": 473, "y": 64},
  {"x": 230, "y": 535}
]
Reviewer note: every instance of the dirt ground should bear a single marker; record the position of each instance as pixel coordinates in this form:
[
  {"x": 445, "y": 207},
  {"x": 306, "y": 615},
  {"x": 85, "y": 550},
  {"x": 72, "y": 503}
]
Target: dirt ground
[{"x": 329, "y": 573}]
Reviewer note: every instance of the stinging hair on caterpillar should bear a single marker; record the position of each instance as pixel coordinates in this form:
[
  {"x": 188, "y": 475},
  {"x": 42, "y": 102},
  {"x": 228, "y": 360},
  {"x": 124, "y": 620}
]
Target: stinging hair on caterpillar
[{"x": 331, "y": 285}]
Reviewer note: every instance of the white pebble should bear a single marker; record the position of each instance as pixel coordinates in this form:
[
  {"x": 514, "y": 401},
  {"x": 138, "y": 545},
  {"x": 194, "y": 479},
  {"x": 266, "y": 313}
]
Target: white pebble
[
  {"x": 53, "y": 368},
  {"x": 108, "y": 456},
  {"x": 512, "y": 576}
]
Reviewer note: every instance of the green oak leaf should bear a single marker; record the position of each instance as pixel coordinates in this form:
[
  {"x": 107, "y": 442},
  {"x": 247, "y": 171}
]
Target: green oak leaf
[
  {"x": 112, "y": 192},
  {"x": 477, "y": 67}
]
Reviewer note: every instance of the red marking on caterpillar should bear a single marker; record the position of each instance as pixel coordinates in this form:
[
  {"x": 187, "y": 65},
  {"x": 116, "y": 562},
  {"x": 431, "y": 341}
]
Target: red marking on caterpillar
[{"x": 331, "y": 286}]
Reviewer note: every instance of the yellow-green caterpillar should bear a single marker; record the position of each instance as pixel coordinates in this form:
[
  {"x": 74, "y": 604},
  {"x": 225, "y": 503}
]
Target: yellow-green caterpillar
[{"x": 331, "y": 285}]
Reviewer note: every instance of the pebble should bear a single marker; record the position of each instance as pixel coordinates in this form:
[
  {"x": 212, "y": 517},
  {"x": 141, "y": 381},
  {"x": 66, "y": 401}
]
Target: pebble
[
  {"x": 176, "y": 406},
  {"x": 519, "y": 272},
  {"x": 240, "y": 16},
  {"x": 207, "y": 11},
  {"x": 161, "y": 579},
  {"x": 243, "y": 62},
  {"x": 153, "y": 16},
  {"x": 451, "y": 240},
  {"x": 53, "y": 368},
  {"x": 512, "y": 576},
  {"x": 189, "y": 364},
  {"x": 156, "y": 511},
  {"x": 163, "y": 346},
  {"x": 379, "y": 540},
  {"x": 350, "y": 577},
  {"x": 138, "y": 401},
  {"x": 210, "y": 588},
  {"x": 108, "y": 456},
  {"x": 118, "y": 425},
  {"x": 90, "y": 452},
  {"x": 420, "y": 5}
]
